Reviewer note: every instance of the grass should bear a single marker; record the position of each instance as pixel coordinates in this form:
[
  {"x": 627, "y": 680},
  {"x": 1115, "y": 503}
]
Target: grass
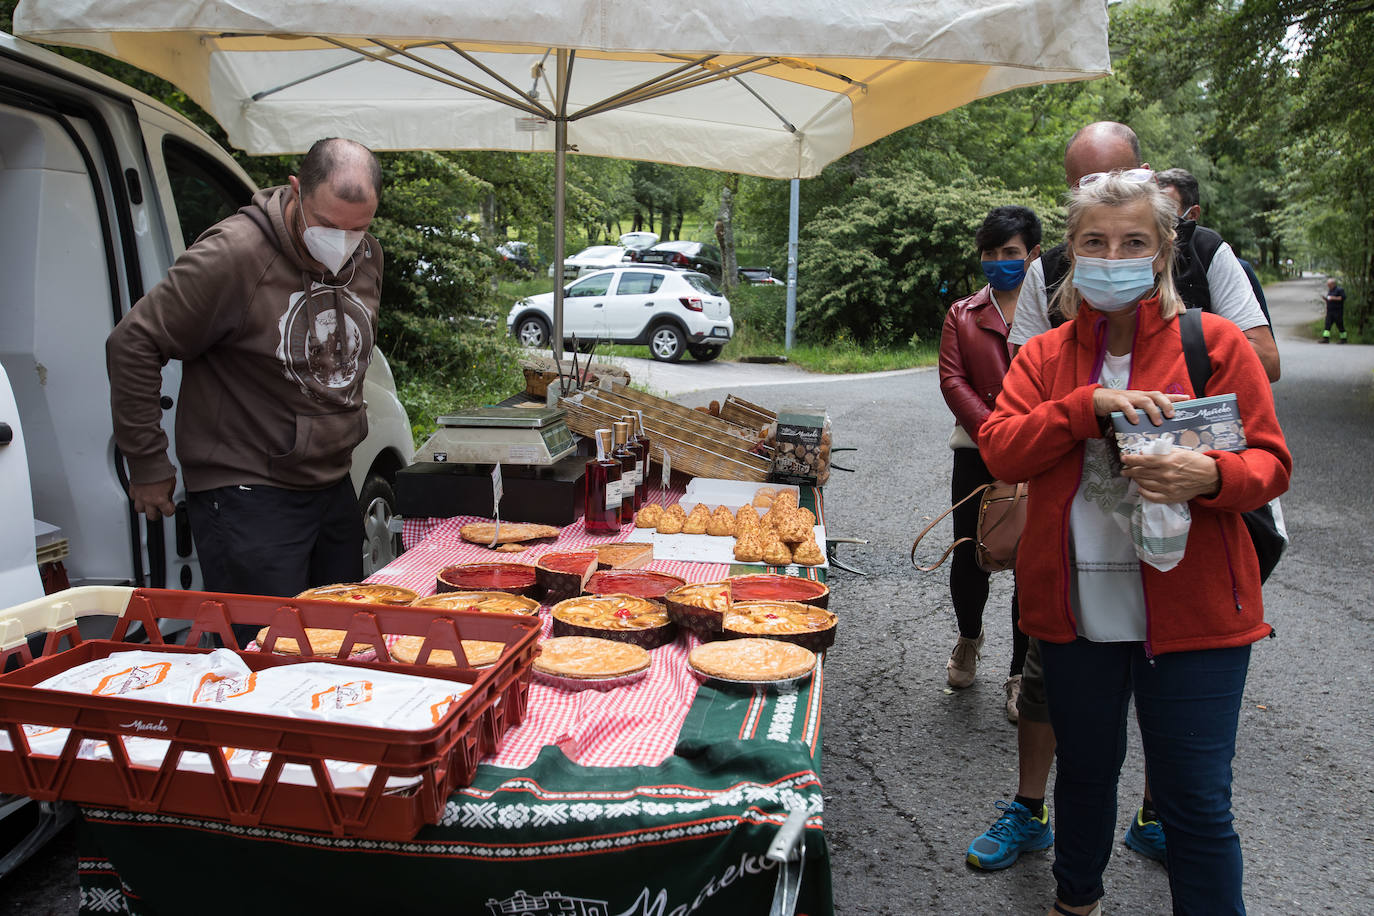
[{"x": 1356, "y": 335}]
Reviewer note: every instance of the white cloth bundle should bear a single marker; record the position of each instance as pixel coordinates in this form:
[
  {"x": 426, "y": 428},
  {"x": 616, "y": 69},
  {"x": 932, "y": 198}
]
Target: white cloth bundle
[{"x": 1159, "y": 531}]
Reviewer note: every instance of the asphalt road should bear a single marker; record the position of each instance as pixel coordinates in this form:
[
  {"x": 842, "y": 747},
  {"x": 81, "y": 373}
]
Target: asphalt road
[{"x": 912, "y": 770}]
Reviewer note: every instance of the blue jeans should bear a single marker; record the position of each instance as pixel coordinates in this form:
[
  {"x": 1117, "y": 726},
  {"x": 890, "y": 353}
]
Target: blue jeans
[{"x": 1188, "y": 707}]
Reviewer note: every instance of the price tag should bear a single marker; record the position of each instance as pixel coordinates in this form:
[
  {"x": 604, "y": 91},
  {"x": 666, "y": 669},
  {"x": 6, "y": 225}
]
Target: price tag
[
  {"x": 667, "y": 467},
  {"x": 496, "y": 491}
]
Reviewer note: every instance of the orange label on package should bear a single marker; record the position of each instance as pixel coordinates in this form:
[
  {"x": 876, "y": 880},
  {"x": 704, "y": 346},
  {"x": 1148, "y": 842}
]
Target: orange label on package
[
  {"x": 215, "y": 689},
  {"x": 131, "y": 679},
  {"x": 440, "y": 709},
  {"x": 352, "y": 693}
]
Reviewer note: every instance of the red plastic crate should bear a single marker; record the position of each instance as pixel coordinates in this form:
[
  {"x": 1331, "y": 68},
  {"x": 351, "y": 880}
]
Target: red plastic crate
[{"x": 444, "y": 756}]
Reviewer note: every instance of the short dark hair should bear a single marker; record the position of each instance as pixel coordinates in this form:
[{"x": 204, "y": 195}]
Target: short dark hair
[
  {"x": 1005, "y": 223},
  {"x": 331, "y": 158},
  {"x": 1182, "y": 181}
]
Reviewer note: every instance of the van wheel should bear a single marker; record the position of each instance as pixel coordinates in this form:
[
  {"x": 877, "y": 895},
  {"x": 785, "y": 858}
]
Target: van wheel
[
  {"x": 666, "y": 343},
  {"x": 377, "y": 502}
]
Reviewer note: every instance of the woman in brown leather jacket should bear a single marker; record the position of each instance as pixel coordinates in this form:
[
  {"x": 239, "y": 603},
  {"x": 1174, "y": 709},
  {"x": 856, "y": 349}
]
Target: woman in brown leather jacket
[{"x": 973, "y": 359}]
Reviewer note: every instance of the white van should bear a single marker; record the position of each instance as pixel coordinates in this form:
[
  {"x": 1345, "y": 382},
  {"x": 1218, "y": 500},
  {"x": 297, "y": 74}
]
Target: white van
[{"x": 101, "y": 188}]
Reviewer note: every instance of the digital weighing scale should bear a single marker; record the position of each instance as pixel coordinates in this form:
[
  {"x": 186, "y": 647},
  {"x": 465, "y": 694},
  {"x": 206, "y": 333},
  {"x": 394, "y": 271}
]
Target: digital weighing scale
[
  {"x": 500, "y": 435},
  {"x": 540, "y": 467}
]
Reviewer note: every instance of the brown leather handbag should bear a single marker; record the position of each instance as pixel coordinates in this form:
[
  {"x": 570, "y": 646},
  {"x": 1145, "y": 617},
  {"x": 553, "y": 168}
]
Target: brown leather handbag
[{"x": 1001, "y": 519}]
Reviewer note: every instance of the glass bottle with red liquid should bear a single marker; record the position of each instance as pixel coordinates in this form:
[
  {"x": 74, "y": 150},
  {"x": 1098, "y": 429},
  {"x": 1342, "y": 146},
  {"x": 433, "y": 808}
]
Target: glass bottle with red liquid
[
  {"x": 627, "y": 458},
  {"x": 643, "y": 439},
  {"x": 601, "y": 495},
  {"x": 641, "y": 461}
]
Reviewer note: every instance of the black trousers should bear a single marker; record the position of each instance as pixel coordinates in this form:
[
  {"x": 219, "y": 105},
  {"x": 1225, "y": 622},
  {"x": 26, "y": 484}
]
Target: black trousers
[
  {"x": 262, "y": 540},
  {"x": 968, "y": 584},
  {"x": 1335, "y": 314}
]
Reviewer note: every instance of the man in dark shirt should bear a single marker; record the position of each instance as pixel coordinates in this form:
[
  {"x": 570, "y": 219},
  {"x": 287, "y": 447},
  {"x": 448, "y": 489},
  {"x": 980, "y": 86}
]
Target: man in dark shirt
[{"x": 1335, "y": 310}]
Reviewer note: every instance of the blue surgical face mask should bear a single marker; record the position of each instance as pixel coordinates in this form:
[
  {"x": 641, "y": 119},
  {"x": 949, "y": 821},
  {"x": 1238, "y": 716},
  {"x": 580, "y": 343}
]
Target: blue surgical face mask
[
  {"x": 1004, "y": 275},
  {"x": 1112, "y": 285}
]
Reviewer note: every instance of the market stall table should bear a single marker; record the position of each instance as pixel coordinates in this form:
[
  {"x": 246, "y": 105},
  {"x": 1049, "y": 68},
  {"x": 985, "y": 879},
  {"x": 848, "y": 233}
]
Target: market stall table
[{"x": 657, "y": 798}]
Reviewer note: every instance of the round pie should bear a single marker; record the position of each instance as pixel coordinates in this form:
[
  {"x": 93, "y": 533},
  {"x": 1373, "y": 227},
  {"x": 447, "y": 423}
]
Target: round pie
[
  {"x": 804, "y": 624},
  {"x": 361, "y": 592},
  {"x": 642, "y": 582},
  {"x": 480, "y": 653},
  {"x": 771, "y": 587},
  {"x": 590, "y": 657},
  {"x": 626, "y": 618},
  {"x": 515, "y": 578},
  {"x": 483, "y": 602},
  {"x": 323, "y": 642},
  {"x": 752, "y": 660}
]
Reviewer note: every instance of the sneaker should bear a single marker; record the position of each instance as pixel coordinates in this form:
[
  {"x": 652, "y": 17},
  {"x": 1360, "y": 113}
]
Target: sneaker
[
  {"x": 963, "y": 661},
  {"x": 1013, "y": 689},
  {"x": 1146, "y": 838},
  {"x": 1015, "y": 832}
]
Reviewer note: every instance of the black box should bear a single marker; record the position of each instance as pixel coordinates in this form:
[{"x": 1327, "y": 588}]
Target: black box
[{"x": 542, "y": 495}]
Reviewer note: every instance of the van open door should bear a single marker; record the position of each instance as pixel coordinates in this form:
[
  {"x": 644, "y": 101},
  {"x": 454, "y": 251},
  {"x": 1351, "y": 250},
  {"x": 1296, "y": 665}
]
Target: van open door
[{"x": 19, "y": 580}]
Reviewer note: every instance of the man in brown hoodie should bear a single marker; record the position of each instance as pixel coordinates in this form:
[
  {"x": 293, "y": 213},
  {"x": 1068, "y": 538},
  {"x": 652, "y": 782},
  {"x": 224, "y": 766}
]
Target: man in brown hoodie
[{"x": 273, "y": 313}]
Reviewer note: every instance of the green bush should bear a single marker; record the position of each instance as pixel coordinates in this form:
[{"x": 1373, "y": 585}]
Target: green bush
[{"x": 883, "y": 267}]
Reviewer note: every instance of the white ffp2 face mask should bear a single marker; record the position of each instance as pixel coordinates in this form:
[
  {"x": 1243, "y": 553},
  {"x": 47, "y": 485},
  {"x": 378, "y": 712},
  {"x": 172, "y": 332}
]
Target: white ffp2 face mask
[{"x": 331, "y": 247}]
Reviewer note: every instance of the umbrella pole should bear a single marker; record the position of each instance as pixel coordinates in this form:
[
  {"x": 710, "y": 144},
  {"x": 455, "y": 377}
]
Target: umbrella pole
[{"x": 560, "y": 146}]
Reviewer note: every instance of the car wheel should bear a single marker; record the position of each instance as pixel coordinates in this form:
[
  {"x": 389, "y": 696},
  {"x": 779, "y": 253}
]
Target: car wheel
[
  {"x": 666, "y": 343},
  {"x": 703, "y": 353},
  {"x": 377, "y": 502},
  {"x": 532, "y": 331}
]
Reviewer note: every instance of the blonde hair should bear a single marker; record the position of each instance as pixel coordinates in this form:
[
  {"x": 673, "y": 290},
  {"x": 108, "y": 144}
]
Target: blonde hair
[{"x": 1114, "y": 191}]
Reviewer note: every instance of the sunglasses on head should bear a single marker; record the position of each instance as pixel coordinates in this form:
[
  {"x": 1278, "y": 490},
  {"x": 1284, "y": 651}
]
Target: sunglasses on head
[{"x": 1136, "y": 176}]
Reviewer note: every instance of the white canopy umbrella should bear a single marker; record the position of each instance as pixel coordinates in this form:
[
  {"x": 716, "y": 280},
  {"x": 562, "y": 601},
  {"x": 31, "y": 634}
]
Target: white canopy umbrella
[{"x": 776, "y": 88}]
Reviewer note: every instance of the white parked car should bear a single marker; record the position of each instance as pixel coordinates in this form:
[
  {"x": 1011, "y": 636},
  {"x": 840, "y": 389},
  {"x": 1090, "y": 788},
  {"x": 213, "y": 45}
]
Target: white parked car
[
  {"x": 597, "y": 257},
  {"x": 672, "y": 311}
]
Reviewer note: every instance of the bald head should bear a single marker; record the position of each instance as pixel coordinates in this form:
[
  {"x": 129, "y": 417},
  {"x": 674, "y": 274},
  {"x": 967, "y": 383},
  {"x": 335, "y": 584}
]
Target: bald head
[
  {"x": 1102, "y": 146},
  {"x": 346, "y": 167}
]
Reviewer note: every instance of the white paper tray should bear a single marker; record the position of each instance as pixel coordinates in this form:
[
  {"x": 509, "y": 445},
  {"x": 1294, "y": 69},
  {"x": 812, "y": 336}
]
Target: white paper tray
[
  {"x": 703, "y": 548},
  {"x": 714, "y": 491}
]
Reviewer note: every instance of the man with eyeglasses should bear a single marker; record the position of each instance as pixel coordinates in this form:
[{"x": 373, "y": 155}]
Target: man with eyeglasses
[
  {"x": 273, "y": 313},
  {"x": 1024, "y": 823}
]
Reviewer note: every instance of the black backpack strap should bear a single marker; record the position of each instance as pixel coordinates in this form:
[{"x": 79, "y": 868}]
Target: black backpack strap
[
  {"x": 1195, "y": 350},
  {"x": 1055, "y": 264}
]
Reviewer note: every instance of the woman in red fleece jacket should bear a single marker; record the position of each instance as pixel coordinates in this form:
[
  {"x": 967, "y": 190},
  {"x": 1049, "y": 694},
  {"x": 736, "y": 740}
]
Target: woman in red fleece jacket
[{"x": 1111, "y": 627}]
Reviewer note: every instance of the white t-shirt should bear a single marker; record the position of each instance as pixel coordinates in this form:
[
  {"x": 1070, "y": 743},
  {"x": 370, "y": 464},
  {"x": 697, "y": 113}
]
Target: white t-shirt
[
  {"x": 1232, "y": 298},
  {"x": 1105, "y": 591}
]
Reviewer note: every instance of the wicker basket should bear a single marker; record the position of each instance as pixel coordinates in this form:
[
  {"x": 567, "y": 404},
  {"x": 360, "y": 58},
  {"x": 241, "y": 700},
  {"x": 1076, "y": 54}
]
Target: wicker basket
[{"x": 699, "y": 444}]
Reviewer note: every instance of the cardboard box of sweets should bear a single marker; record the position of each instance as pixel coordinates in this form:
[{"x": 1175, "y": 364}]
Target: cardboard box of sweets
[
  {"x": 1202, "y": 424},
  {"x": 802, "y": 449}
]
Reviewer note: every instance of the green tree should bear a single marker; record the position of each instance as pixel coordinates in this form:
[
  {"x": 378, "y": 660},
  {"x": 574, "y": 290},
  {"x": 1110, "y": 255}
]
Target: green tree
[{"x": 882, "y": 268}]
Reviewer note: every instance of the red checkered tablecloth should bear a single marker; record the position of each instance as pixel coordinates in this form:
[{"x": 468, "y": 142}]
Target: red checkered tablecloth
[{"x": 635, "y": 725}]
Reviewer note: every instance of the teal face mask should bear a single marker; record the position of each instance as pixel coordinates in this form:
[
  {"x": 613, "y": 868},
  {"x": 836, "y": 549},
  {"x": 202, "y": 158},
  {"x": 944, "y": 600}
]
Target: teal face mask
[{"x": 1112, "y": 285}]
